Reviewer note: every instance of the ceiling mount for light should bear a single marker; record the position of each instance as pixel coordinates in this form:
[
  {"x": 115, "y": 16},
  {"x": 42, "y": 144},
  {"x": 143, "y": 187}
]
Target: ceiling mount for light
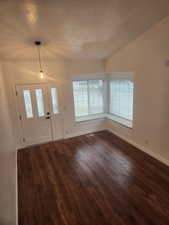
[{"x": 38, "y": 44}]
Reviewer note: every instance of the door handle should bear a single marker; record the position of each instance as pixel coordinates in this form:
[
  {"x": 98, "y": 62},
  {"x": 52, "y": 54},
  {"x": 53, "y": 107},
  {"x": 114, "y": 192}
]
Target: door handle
[{"x": 48, "y": 115}]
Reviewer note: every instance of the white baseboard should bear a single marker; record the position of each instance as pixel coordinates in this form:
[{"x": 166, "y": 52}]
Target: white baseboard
[
  {"x": 142, "y": 148},
  {"x": 82, "y": 132}
]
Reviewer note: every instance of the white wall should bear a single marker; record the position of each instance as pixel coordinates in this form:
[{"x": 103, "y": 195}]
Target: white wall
[
  {"x": 8, "y": 174},
  {"x": 146, "y": 57},
  {"x": 5, "y": 120},
  {"x": 61, "y": 72},
  {"x": 14, "y": 73}
]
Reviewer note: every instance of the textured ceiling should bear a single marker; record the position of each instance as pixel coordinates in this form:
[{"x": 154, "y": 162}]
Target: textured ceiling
[{"x": 81, "y": 29}]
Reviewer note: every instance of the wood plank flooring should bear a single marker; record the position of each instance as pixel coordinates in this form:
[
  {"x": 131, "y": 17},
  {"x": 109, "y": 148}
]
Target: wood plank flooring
[{"x": 94, "y": 179}]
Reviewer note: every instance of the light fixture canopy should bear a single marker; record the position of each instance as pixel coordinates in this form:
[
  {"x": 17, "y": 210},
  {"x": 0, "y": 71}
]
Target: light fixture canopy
[{"x": 38, "y": 44}]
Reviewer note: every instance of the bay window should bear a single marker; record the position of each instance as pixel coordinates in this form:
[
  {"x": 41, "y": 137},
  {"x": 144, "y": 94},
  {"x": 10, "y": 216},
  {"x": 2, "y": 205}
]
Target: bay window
[{"x": 110, "y": 98}]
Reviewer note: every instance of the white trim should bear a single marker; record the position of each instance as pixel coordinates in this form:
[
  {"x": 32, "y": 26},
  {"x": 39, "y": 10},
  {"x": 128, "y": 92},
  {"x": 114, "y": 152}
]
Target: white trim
[
  {"x": 103, "y": 76},
  {"x": 120, "y": 76},
  {"x": 83, "y": 132},
  {"x": 112, "y": 117},
  {"x": 120, "y": 120},
  {"x": 142, "y": 148},
  {"x": 89, "y": 76},
  {"x": 90, "y": 117}
]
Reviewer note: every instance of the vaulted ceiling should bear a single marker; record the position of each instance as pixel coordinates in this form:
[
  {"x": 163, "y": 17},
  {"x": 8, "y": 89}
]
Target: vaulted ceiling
[{"x": 81, "y": 29}]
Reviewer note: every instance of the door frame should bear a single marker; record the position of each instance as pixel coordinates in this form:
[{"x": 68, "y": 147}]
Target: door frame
[{"x": 19, "y": 129}]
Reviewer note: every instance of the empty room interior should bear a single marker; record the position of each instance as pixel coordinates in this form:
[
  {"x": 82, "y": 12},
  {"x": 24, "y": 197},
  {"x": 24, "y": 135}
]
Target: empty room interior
[{"x": 84, "y": 104}]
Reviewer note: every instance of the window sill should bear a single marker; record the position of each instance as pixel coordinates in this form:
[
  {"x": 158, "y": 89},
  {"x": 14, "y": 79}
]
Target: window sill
[
  {"x": 120, "y": 120},
  {"x": 91, "y": 117}
]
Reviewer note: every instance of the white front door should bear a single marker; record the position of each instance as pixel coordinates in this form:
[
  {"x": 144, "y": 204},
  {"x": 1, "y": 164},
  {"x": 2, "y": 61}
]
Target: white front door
[{"x": 38, "y": 112}]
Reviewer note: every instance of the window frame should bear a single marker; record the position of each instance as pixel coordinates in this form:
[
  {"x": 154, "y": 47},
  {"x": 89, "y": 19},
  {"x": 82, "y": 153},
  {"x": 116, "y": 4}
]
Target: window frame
[
  {"x": 117, "y": 118},
  {"x": 92, "y": 116}
]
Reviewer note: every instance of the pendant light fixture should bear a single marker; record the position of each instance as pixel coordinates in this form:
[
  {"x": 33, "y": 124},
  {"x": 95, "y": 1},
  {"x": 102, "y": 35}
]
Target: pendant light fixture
[{"x": 38, "y": 44}]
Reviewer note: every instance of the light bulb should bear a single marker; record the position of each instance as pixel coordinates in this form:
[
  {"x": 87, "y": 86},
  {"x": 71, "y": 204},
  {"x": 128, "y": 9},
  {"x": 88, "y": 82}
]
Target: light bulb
[{"x": 41, "y": 74}]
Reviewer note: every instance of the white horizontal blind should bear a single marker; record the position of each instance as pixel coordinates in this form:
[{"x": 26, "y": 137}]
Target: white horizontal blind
[
  {"x": 121, "y": 98},
  {"x": 88, "y": 97},
  {"x": 80, "y": 92},
  {"x": 95, "y": 96}
]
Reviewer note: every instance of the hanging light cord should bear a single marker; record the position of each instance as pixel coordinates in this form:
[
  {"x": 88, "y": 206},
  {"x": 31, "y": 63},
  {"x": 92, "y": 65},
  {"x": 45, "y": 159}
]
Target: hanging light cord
[{"x": 39, "y": 57}]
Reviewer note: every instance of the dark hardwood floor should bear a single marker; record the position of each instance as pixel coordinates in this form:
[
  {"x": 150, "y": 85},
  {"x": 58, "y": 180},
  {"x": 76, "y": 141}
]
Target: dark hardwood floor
[{"x": 94, "y": 179}]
